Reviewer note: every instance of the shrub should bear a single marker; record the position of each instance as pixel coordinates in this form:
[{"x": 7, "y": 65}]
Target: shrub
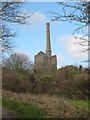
[
  {"x": 10, "y": 80},
  {"x": 17, "y": 82}
]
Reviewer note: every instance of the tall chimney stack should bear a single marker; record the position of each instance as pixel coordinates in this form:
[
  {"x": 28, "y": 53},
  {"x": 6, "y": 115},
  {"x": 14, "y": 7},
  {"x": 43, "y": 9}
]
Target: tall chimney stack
[{"x": 48, "y": 45}]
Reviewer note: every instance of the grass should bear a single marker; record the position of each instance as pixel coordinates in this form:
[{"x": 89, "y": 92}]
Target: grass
[
  {"x": 55, "y": 106},
  {"x": 0, "y": 101},
  {"x": 23, "y": 110},
  {"x": 82, "y": 104}
]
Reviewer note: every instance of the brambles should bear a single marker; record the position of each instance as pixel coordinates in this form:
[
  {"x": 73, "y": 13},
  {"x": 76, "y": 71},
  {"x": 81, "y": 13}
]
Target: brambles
[{"x": 56, "y": 107}]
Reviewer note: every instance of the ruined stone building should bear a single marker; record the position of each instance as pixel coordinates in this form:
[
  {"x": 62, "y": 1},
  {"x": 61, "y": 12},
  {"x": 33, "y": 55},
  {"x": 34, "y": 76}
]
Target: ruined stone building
[{"x": 45, "y": 61}]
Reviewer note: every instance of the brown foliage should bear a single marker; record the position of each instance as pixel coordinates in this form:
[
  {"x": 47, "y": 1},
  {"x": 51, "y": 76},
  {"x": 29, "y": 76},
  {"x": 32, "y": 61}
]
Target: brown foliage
[
  {"x": 17, "y": 81},
  {"x": 77, "y": 87}
]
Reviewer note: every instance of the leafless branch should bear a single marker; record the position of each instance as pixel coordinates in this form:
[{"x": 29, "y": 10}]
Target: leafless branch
[
  {"x": 11, "y": 12},
  {"x": 79, "y": 12}
]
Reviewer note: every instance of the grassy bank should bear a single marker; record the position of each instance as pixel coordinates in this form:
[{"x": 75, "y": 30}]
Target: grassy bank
[
  {"x": 55, "y": 106},
  {"x": 23, "y": 110},
  {"x": 82, "y": 104}
]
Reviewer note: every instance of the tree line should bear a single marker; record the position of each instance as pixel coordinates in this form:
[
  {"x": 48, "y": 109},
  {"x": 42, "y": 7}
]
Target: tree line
[{"x": 19, "y": 76}]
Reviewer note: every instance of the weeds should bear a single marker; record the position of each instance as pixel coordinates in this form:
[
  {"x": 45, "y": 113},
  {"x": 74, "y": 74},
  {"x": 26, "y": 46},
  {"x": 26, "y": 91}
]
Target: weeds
[{"x": 56, "y": 107}]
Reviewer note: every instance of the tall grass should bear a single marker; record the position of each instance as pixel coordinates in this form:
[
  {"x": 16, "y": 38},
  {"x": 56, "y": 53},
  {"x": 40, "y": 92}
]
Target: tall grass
[
  {"x": 24, "y": 110},
  {"x": 55, "y": 106},
  {"x": 83, "y": 104}
]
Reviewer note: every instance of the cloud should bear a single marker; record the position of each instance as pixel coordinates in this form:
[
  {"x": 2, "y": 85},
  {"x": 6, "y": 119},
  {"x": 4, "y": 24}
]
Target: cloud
[
  {"x": 25, "y": 53},
  {"x": 72, "y": 46},
  {"x": 37, "y": 18}
]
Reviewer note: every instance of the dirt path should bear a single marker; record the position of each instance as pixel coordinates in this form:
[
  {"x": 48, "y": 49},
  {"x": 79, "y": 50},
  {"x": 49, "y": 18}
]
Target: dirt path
[{"x": 7, "y": 113}]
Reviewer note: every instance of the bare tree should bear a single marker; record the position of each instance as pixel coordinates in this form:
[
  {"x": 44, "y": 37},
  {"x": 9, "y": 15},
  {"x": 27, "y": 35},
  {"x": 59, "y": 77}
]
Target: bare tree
[
  {"x": 79, "y": 12},
  {"x": 7, "y": 35},
  {"x": 18, "y": 62},
  {"x": 10, "y": 12}
]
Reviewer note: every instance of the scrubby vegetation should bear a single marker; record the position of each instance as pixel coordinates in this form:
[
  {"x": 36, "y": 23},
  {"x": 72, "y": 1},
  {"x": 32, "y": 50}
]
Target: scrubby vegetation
[
  {"x": 53, "y": 106},
  {"x": 62, "y": 93},
  {"x": 70, "y": 81}
]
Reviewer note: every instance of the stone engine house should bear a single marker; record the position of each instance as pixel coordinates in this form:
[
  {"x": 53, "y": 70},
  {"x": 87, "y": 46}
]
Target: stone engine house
[{"x": 46, "y": 60}]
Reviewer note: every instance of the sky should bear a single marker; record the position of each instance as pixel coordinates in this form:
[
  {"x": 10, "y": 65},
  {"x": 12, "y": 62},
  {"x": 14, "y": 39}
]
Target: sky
[{"x": 31, "y": 38}]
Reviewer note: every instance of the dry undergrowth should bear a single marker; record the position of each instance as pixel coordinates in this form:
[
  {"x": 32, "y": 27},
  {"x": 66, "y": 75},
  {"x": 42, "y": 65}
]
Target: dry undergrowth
[{"x": 55, "y": 106}]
